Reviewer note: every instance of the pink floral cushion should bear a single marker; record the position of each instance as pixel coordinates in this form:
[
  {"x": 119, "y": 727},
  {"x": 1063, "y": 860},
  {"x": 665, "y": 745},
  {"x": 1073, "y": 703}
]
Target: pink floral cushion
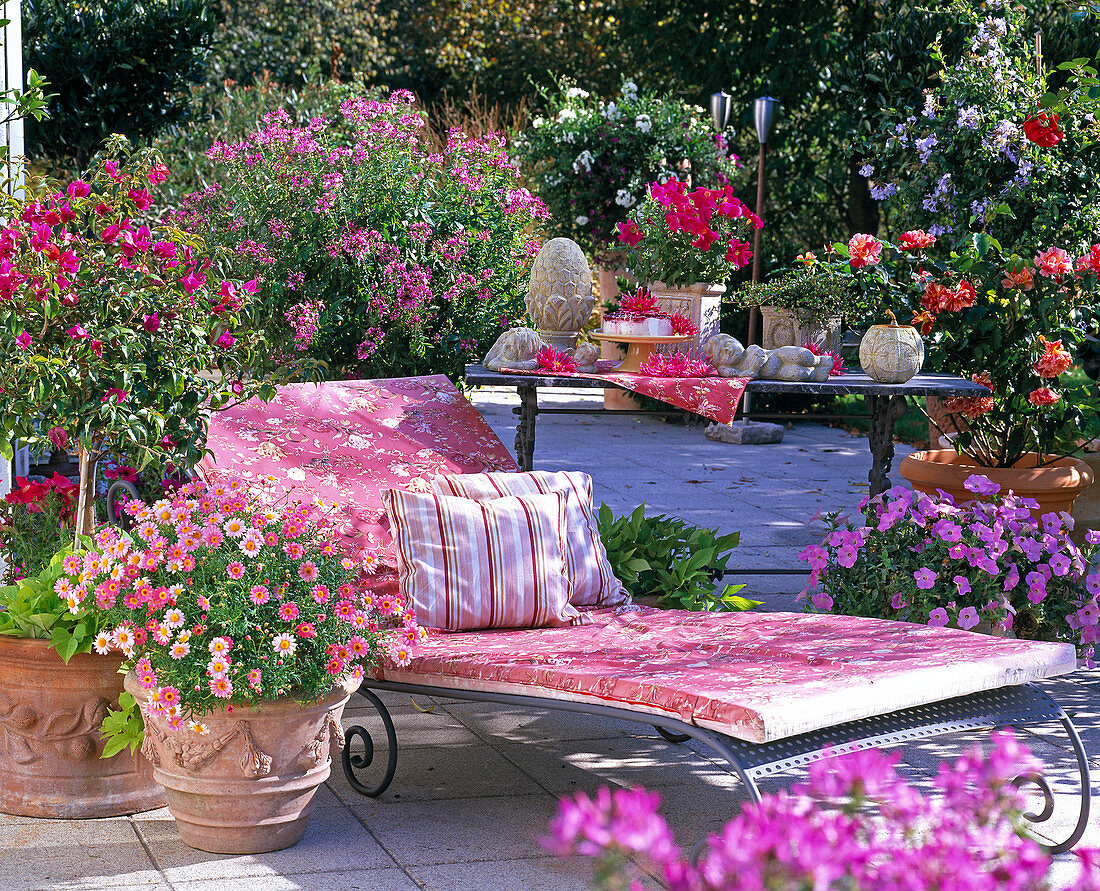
[
  {"x": 755, "y": 676},
  {"x": 594, "y": 582},
  {"x": 466, "y": 564}
]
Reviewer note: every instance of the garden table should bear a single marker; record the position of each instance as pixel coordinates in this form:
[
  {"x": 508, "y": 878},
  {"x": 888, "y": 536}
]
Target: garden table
[{"x": 886, "y": 403}]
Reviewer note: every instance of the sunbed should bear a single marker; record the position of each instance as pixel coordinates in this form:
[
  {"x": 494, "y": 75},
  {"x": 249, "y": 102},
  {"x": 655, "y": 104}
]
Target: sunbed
[{"x": 768, "y": 692}]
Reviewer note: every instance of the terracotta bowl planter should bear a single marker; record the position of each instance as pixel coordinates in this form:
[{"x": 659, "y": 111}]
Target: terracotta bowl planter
[
  {"x": 246, "y": 786},
  {"x": 1055, "y": 486},
  {"x": 50, "y": 743}
]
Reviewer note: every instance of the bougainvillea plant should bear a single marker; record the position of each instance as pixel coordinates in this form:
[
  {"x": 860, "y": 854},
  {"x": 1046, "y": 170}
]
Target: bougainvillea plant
[
  {"x": 590, "y": 160},
  {"x": 680, "y": 237},
  {"x": 373, "y": 251},
  {"x": 821, "y": 835},
  {"x": 117, "y": 336},
  {"x": 1010, "y": 322},
  {"x": 222, "y": 594},
  {"x": 985, "y": 563},
  {"x": 36, "y": 518}
]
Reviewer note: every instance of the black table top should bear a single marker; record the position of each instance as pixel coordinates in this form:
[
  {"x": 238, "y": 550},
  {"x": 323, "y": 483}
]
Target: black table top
[{"x": 852, "y": 383}]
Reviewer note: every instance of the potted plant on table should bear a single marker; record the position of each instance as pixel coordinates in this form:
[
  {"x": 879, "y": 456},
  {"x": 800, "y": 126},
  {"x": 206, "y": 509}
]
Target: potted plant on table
[
  {"x": 684, "y": 246},
  {"x": 117, "y": 341},
  {"x": 245, "y": 631},
  {"x": 1011, "y": 323}
]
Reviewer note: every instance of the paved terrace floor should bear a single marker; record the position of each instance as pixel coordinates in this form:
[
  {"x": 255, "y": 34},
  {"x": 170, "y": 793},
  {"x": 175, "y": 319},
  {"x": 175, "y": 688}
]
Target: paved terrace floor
[{"x": 477, "y": 784}]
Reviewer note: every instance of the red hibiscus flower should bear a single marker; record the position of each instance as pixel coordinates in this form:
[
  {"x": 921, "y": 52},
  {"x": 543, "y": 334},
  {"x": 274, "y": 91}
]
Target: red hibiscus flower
[
  {"x": 1090, "y": 262},
  {"x": 916, "y": 240},
  {"x": 1044, "y": 397},
  {"x": 1043, "y": 130},
  {"x": 1054, "y": 361},
  {"x": 923, "y": 321},
  {"x": 864, "y": 250}
]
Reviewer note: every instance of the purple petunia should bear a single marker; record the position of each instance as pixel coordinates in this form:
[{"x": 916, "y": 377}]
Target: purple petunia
[
  {"x": 981, "y": 485},
  {"x": 938, "y": 618},
  {"x": 968, "y": 618},
  {"x": 925, "y": 578}
]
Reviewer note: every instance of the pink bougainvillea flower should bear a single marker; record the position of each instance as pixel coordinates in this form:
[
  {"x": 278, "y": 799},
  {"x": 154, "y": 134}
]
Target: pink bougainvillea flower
[
  {"x": 164, "y": 250},
  {"x": 157, "y": 174},
  {"x": 76, "y": 332},
  {"x": 24, "y": 341},
  {"x": 116, "y": 394},
  {"x": 111, "y": 167},
  {"x": 630, "y": 233},
  {"x": 555, "y": 361},
  {"x": 1043, "y": 397},
  {"x": 225, "y": 340},
  {"x": 58, "y": 438},
  {"x": 1054, "y": 361},
  {"x": 96, "y": 346},
  {"x": 1053, "y": 262},
  {"x": 915, "y": 240},
  {"x": 151, "y": 322},
  {"x": 78, "y": 189},
  {"x": 193, "y": 281},
  {"x": 864, "y": 250}
]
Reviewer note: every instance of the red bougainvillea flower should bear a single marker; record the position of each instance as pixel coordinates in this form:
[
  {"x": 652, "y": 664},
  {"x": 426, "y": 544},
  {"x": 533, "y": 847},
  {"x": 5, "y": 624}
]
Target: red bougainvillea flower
[
  {"x": 923, "y": 321},
  {"x": 1022, "y": 280},
  {"x": 1043, "y": 397},
  {"x": 682, "y": 325},
  {"x": 916, "y": 240},
  {"x": 1090, "y": 262},
  {"x": 1043, "y": 130},
  {"x": 556, "y": 361},
  {"x": 1054, "y": 361},
  {"x": 641, "y": 303},
  {"x": 630, "y": 233},
  {"x": 738, "y": 253},
  {"x": 837, "y": 368},
  {"x": 1053, "y": 262},
  {"x": 864, "y": 250}
]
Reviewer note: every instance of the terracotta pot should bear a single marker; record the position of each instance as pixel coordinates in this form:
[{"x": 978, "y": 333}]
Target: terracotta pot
[
  {"x": 783, "y": 327},
  {"x": 50, "y": 743},
  {"x": 1055, "y": 486},
  {"x": 1086, "y": 510},
  {"x": 247, "y": 785}
]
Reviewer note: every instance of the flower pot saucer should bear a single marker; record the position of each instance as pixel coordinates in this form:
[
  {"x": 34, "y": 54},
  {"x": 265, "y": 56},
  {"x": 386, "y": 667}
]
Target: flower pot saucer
[{"x": 639, "y": 347}]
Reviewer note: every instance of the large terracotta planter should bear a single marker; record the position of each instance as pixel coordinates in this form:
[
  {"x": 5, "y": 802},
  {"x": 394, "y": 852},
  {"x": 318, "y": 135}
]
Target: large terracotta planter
[
  {"x": 247, "y": 785},
  {"x": 1055, "y": 486},
  {"x": 50, "y": 743}
]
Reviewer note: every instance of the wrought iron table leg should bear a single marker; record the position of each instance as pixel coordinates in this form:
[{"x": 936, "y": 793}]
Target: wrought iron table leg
[
  {"x": 361, "y": 762},
  {"x": 885, "y": 410},
  {"x": 525, "y": 429},
  {"x": 1086, "y": 793}
]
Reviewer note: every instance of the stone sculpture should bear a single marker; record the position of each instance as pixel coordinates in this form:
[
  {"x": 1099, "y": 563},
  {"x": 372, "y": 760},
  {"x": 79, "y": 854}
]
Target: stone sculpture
[
  {"x": 559, "y": 296},
  {"x": 518, "y": 348},
  {"x": 788, "y": 363}
]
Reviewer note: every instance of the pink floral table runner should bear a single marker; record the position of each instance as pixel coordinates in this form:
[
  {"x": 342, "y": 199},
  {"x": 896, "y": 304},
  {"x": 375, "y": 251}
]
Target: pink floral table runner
[
  {"x": 755, "y": 676},
  {"x": 716, "y": 398}
]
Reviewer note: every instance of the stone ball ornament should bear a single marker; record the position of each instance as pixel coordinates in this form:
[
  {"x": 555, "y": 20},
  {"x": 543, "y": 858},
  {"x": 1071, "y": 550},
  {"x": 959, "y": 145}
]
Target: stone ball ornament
[
  {"x": 788, "y": 363},
  {"x": 559, "y": 297},
  {"x": 891, "y": 354}
]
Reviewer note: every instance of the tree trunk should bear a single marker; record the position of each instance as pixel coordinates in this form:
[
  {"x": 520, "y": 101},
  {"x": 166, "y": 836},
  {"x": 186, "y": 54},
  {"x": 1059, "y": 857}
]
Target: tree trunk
[{"x": 84, "y": 521}]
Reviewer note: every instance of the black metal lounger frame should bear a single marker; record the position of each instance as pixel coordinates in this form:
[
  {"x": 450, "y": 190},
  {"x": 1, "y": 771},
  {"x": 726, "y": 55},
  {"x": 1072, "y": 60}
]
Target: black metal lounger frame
[{"x": 1020, "y": 705}]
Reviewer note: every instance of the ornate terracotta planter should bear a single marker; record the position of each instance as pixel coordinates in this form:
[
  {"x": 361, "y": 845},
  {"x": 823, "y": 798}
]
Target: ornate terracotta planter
[
  {"x": 1055, "y": 486},
  {"x": 50, "y": 743},
  {"x": 783, "y": 327},
  {"x": 247, "y": 785}
]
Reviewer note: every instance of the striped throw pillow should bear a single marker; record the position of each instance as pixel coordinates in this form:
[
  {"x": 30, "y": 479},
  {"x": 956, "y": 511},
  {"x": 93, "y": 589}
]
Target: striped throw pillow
[
  {"x": 466, "y": 564},
  {"x": 594, "y": 582}
]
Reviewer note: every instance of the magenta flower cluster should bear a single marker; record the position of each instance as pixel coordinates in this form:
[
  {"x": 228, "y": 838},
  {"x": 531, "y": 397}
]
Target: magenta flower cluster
[
  {"x": 820, "y": 835},
  {"x": 381, "y": 248},
  {"x": 929, "y": 560}
]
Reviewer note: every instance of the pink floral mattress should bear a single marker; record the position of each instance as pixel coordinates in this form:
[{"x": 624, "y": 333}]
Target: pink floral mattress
[{"x": 755, "y": 676}]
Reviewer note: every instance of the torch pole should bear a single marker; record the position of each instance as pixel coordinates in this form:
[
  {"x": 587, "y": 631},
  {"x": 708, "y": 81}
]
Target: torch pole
[{"x": 757, "y": 259}]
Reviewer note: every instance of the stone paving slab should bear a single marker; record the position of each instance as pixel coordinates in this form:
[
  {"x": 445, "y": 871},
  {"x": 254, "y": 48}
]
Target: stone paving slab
[{"x": 477, "y": 784}]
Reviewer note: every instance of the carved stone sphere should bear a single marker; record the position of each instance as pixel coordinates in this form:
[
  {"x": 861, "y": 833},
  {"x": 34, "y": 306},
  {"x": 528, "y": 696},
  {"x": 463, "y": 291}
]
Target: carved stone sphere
[{"x": 559, "y": 296}]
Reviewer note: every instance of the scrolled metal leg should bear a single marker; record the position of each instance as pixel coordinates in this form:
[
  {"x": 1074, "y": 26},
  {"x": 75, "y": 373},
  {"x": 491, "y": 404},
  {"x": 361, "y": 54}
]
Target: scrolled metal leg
[
  {"x": 670, "y": 735},
  {"x": 1048, "y": 795},
  {"x": 884, "y": 411},
  {"x": 525, "y": 429},
  {"x": 361, "y": 762}
]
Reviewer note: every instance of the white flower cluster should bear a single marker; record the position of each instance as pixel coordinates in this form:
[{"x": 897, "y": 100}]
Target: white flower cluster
[
  {"x": 582, "y": 220},
  {"x": 611, "y": 111},
  {"x": 566, "y": 114},
  {"x": 584, "y": 161},
  {"x": 630, "y": 91},
  {"x": 625, "y": 199},
  {"x": 644, "y": 123},
  {"x": 576, "y": 93}
]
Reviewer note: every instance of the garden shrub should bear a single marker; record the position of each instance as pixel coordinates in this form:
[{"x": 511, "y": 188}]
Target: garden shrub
[
  {"x": 117, "y": 66},
  {"x": 374, "y": 254}
]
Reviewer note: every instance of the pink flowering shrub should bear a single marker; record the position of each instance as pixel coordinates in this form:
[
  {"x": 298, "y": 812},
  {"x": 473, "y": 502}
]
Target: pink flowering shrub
[
  {"x": 219, "y": 595},
  {"x": 371, "y": 252},
  {"x": 987, "y": 562},
  {"x": 108, "y": 322},
  {"x": 819, "y": 836}
]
